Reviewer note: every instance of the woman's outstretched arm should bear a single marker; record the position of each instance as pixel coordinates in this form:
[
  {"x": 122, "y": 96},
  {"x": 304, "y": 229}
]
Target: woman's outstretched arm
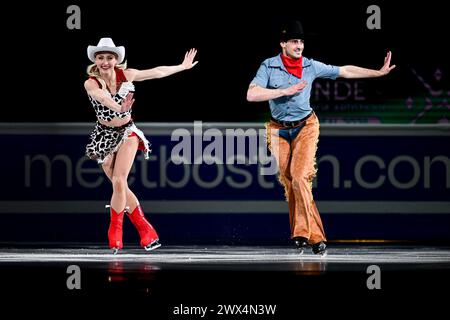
[{"x": 162, "y": 71}]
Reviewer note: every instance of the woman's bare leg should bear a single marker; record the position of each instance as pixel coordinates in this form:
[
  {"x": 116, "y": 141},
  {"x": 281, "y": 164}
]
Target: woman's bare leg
[
  {"x": 108, "y": 167},
  {"x": 122, "y": 165}
]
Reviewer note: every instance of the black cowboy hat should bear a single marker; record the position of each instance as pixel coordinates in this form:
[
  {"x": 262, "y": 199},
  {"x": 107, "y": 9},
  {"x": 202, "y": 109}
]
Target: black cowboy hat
[{"x": 291, "y": 29}]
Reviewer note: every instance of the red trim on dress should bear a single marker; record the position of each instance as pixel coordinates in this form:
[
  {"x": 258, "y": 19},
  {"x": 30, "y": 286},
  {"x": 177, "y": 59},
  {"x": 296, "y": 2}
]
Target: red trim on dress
[
  {"x": 98, "y": 82},
  {"x": 120, "y": 77},
  {"x": 141, "y": 145}
]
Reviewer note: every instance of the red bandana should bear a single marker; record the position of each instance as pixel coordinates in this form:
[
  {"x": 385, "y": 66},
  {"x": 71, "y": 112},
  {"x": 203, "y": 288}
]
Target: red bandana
[{"x": 293, "y": 66}]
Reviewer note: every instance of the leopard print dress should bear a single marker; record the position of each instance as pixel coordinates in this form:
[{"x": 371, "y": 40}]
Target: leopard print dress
[{"x": 105, "y": 140}]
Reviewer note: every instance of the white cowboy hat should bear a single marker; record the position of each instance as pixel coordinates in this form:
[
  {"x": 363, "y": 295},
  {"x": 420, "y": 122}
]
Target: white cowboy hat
[{"x": 107, "y": 45}]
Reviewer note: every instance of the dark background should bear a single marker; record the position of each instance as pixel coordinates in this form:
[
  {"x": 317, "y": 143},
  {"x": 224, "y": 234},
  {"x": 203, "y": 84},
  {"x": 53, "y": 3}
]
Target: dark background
[
  {"x": 44, "y": 67},
  {"x": 45, "y": 62}
]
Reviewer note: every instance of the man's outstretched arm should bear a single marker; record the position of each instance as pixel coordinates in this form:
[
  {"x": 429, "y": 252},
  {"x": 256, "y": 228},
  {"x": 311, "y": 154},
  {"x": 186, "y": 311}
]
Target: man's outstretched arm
[{"x": 353, "y": 72}]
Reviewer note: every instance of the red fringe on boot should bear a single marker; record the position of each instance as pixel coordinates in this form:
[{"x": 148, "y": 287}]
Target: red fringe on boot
[{"x": 149, "y": 237}]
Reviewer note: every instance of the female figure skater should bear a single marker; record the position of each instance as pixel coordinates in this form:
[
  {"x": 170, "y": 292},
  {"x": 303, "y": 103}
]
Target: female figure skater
[{"x": 115, "y": 138}]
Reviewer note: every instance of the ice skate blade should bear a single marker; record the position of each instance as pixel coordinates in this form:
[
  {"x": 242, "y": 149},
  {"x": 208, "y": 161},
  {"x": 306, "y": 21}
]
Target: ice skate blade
[{"x": 152, "y": 246}]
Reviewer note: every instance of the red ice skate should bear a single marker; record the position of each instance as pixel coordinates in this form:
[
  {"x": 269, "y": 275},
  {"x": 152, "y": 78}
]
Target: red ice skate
[
  {"x": 149, "y": 237},
  {"x": 115, "y": 230}
]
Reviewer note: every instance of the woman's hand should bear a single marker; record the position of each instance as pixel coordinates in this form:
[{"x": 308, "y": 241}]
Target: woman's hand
[
  {"x": 127, "y": 103},
  {"x": 188, "y": 61}
]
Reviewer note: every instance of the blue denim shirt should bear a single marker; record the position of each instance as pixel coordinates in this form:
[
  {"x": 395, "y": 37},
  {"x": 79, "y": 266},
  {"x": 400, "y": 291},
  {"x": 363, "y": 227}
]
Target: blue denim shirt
[{"x": 272, "y": 74}]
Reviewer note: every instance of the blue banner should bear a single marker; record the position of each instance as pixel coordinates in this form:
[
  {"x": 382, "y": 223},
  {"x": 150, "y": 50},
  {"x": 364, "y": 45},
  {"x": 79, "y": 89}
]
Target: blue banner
[{"x": 365, "y": 174}]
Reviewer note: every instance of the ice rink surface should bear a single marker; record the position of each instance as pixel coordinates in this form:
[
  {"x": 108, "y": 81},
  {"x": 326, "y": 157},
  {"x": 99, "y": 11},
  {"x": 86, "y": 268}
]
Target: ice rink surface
[{"x": 171, "y": 279}]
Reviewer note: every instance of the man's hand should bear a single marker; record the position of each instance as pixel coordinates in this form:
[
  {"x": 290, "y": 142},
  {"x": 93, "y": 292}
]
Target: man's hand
[
  {"x": 295, "y": 88},
  {"x": 386, "y": 68}
]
